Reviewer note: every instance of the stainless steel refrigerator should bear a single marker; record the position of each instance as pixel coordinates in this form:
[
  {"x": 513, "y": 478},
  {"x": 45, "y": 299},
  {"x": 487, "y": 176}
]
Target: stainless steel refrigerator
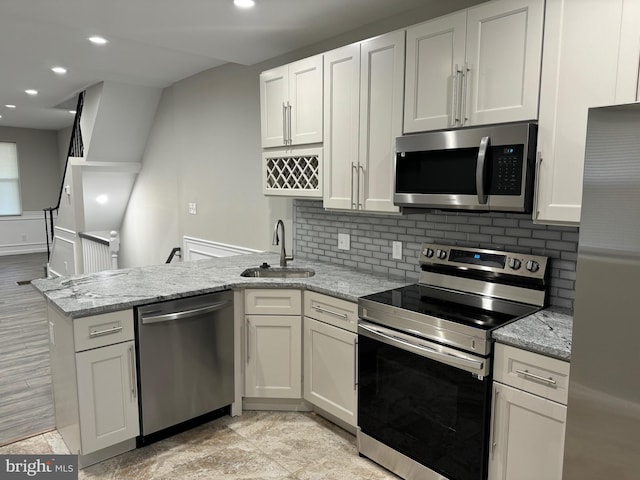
[{"x": 603, "y": 411}]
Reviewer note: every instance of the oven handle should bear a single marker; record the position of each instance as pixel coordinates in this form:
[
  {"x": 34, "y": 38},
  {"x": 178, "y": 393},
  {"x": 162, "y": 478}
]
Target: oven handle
[{"x": 402, "y": 341}]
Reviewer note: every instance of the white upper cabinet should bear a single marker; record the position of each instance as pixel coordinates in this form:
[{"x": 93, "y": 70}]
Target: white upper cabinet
[
  {"x": 362, "y": 118},
  {"x": 591, "y": 59},
  {"x": 435, "y": 53},
  {"x": 475, "y": 67},
  {"x": 291, "y": 103}
]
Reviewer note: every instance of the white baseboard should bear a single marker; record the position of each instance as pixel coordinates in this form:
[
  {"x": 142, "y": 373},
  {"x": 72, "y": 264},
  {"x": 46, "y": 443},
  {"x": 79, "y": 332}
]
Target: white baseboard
[
  {"x": 197, "y": 249},
  {"x": 22, "y": 248}
]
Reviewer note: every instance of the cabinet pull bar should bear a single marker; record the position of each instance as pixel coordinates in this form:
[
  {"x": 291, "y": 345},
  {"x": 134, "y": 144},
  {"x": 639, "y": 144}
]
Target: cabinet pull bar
[
  {"x": 335, "y": 314},
  {"x": 289, "y": 124},
  {"x": 536, "y": 185},
  {"x": 247, "y": 343},
  {"x": 108, "y": 331},
  {"x": 463, "y": 101},
  {"x": 284, "y": 123},
  {"x": 455, "y": 119},
  {"x": 528, "y": 374},
  {"x": 492, "y": 433},
  {"x": 355, "y": 363},
  {"x": 353, "y": 203},
  {"x": 360, "y": 192},
  {"x": 132, "y": 364}
]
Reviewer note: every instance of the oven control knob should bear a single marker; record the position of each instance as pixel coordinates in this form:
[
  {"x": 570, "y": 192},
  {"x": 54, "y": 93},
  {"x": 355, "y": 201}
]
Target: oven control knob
[
  {"x": 514, "y": 264},
  {"x": 428, "y": 252},
  {"x": 441, "y": 254},
  {"x": 533, "y": 266}
]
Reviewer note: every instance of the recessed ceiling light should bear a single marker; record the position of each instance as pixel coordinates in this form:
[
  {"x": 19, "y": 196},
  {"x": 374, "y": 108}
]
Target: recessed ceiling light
[
  {"x": 59, "y": 70},
  {"x": 10, "y": 106},
  {"x": 72, "y": 112},
  {"x": 31, "y": 91},
  {"x": 0, "y": 116},
  {"x": 102, "y": 199},
  {"x": 98, "y": 40},
  {"x": 244, "y": 3}
]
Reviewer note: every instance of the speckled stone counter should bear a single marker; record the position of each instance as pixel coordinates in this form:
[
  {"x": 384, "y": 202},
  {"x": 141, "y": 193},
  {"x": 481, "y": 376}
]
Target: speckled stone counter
[
  {"x": 547, "y": 332},
  {"x": 94, "y": 293}
]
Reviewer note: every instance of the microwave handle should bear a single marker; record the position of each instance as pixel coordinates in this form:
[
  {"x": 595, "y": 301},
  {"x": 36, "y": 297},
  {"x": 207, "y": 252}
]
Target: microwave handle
[{"x": 480, "y": 170}]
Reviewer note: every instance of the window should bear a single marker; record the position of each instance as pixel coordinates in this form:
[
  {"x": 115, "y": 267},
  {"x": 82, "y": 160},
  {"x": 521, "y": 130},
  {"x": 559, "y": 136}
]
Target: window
[{"x": 9, "y": 180}]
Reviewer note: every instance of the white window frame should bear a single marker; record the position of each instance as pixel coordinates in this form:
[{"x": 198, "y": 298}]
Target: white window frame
[{"x": 10, "y": 175}]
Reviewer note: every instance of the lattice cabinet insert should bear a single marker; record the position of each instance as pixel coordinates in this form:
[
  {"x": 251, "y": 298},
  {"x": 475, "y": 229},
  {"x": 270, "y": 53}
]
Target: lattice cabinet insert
[{"x": 296, "y": 173}]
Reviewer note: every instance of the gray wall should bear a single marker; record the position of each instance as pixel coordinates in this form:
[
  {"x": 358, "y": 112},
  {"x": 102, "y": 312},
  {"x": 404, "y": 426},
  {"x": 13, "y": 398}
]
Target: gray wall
[
  {"x": 39, "y": 165},
  {"x": 316, "y": 238},
  {"x": 204, "y": 148}
]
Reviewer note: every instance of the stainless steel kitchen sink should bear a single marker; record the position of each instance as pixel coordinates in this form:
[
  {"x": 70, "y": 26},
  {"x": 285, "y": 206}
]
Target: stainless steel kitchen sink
[{"x": 275, "y": 272}]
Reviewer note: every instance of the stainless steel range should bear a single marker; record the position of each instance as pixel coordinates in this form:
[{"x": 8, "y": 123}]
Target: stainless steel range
[{"x": 424, "y": 359}]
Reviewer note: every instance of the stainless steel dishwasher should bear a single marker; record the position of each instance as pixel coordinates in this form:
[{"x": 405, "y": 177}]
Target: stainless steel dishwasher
[{"x": 185, "y": 363}]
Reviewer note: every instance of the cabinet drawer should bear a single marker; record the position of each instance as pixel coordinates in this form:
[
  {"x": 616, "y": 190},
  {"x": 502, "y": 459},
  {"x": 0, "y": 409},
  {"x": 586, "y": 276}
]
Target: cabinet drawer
[
  {"x": 100, "y": 330},
  {"x": 531, "y": 372},
  {"x": 272, "y": 302},
  {"x": 334, "y": 311}
]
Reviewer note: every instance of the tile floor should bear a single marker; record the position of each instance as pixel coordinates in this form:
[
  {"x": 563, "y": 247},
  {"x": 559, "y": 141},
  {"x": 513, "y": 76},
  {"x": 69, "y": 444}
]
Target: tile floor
[{"x": 256, "y": 446}]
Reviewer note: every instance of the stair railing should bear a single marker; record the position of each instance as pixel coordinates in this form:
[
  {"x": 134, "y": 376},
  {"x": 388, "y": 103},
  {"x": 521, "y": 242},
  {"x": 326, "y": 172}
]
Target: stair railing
[{"x": 76, "y": 149}]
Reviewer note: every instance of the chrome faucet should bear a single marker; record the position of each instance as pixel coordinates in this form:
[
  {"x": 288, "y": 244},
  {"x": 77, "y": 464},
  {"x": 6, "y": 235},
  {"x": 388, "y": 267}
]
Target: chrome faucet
[{"x": 283, "y": 254}]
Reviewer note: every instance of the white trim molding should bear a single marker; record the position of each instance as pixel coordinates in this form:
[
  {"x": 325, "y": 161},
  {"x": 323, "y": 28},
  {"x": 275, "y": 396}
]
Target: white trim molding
[
  {"x": 197, "y": 249},
  {"x": 20, "y": 234}
]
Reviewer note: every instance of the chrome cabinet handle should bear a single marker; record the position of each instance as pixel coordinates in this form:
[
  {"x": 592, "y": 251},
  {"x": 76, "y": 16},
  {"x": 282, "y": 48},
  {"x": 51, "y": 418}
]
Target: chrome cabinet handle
[
  {"x": 335, "y": 314},
  {"x": 360, "y": 169},
  {"x": 536, "y": 185},
  {"x": 132, "y": 366},
  {"x": 492, "y": 434},
  {"x": 527, "y": 374},
  {"x": 248, "y": 345},
  {"x": 108, "y": 331},
  {"x": 289, "y": 140},
  {"x": 353, "y": 203},
  {"x": 463, "y": 101},
  {"x": 284, "y": 123},
  {"x": 455, "y": 118},
  {"x": 480, "y": 170},
  {"x": 355, "y": 363}
]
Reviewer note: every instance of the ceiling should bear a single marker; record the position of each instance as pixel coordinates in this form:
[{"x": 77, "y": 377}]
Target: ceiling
[{"x": 151, "y": 43}]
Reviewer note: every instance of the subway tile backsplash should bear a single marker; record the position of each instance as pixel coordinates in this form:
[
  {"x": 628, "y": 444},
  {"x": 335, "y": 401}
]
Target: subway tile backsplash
[{"x": 315, "y": 237}]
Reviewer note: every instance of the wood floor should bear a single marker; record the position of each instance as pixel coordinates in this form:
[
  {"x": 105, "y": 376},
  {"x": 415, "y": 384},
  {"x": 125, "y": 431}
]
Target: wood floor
[{"x": 26, "y": 405}]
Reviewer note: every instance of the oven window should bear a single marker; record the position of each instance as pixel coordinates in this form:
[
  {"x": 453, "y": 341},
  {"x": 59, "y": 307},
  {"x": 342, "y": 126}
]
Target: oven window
[{"x": 430, "y": 412}]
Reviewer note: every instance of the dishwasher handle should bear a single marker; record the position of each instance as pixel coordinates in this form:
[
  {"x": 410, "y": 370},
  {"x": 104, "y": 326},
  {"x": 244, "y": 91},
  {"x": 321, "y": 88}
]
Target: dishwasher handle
[{"x": 167, "y": 317}]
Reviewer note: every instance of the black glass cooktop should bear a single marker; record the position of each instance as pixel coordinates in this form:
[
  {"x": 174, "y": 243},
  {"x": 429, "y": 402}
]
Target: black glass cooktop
[{"x": 468, "y": 309}]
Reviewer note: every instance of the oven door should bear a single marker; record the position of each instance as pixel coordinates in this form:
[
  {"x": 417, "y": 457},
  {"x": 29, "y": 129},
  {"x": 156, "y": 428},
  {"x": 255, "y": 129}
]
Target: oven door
[{"x": 427, "y": 402}]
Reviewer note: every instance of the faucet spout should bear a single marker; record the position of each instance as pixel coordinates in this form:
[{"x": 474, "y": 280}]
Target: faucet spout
[{"x": 284, "y": 258}]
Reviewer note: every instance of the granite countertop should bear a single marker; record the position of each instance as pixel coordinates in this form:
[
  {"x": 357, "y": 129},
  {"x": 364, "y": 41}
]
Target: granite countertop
[
  {"x": 101, "y": 292},
  {"x": 547, "y": 332}
]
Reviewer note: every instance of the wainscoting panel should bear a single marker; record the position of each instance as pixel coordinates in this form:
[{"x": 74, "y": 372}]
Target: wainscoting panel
[
  {"x": 197, "y": 249},
  {"x": 21, "y": 234}
]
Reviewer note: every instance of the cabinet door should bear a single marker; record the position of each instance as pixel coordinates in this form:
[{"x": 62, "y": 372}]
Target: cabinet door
[
  {"x": 273, "y": 356},
  {"x": 504, "y": 49},
  {"x": 341, "y": 126},
  {"x": 580, "y": 70},
  {"x": 274, "y": 92},
  {"x": 107, "y": 396},
  {"x": 381, "y": 94},
  {"x": 305, "y": 100},
  {"x": 527, "y": 437},
  {"x": 435, "y": 52},
  {"x": 330, "y": 369}
]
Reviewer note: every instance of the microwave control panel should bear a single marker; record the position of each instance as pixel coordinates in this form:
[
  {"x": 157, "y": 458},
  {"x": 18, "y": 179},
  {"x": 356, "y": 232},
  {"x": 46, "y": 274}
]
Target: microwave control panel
[{"x": 506, "y": 173}]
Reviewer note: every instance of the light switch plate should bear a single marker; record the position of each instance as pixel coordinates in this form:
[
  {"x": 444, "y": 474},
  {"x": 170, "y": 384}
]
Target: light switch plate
[
  {"x": 193, "y": 209},
  {"x": 344, "y": 241},
  {"x": 397, "y": 250}
]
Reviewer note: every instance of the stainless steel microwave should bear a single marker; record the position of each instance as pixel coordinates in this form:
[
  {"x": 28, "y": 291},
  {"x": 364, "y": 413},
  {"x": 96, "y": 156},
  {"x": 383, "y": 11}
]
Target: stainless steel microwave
[{"x": 488, "y": 168}]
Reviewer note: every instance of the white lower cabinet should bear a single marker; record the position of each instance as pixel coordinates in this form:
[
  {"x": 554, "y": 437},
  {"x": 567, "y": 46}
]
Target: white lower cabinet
[
  {"x": 528, "y": 415},
  {"x": 528, "y": 436},
  {"x": 330, "y": 348},
  {"x": 93, "y": 372},
  {"x": 107, "y": 396},
  {"x": 273, "y": 349}
]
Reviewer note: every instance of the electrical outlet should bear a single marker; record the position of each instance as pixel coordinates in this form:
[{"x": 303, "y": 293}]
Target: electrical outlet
[
  {"x": 397, "y": 250},
  {"x": 344, "y": 241},
  {"x": 193, "y": 208}
]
